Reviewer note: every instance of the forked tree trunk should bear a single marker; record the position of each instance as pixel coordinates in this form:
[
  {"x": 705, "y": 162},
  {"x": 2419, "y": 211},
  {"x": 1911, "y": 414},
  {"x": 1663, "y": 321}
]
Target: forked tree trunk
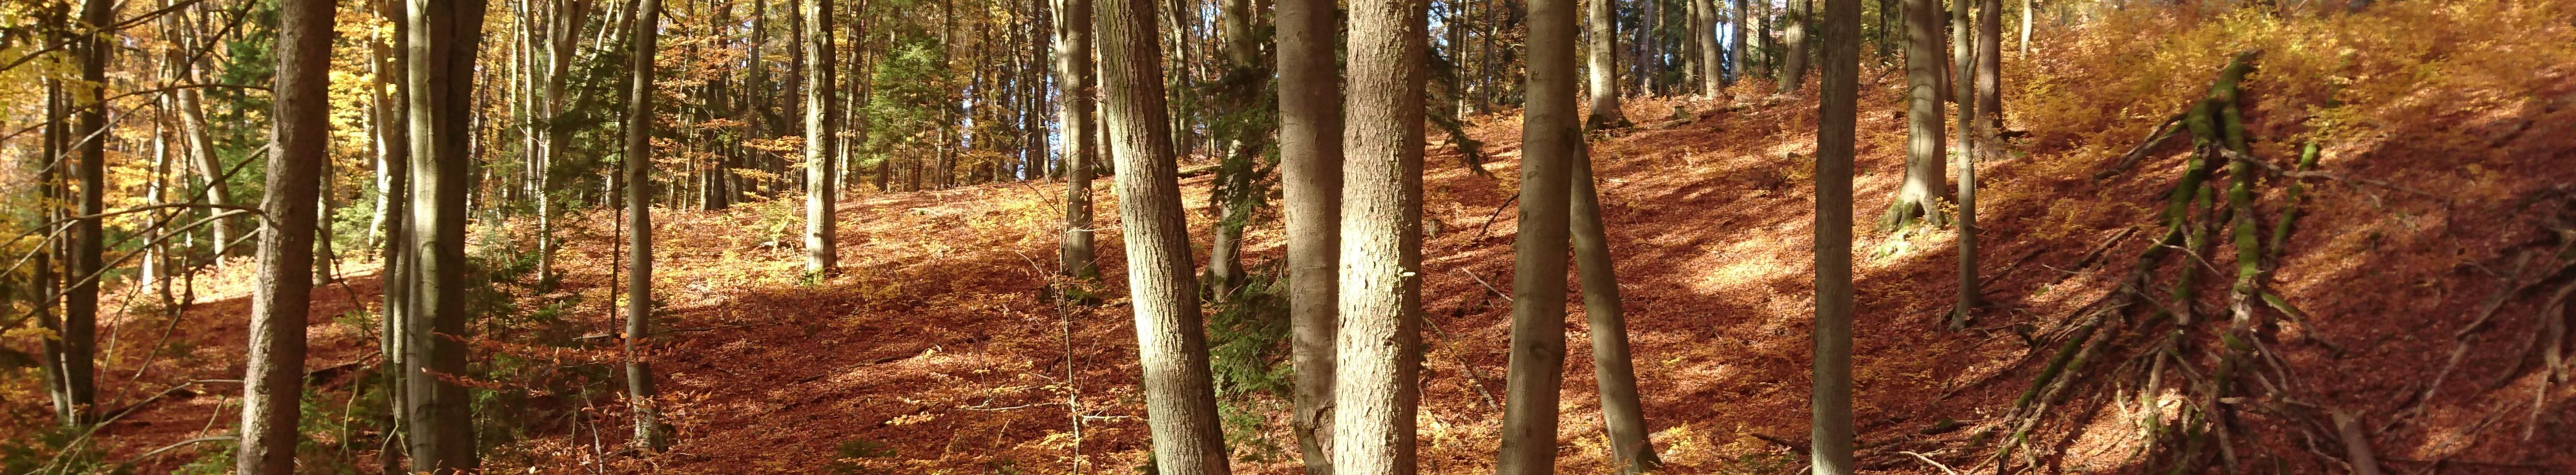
[
  {"x": 1180, "y": 396},
  {"x": 273, "y": 385},
  {"x": 1310, "y": 178},
  {"x": 1377, "y": 362},
  {"x": 1602, "y": 50},
  {"x": 1551, "y": 142},
  {"x": 1073, "y": 75},
  {"x": 1831, "y": 427}
]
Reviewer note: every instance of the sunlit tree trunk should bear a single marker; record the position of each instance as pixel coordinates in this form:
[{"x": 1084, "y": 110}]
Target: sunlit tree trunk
[
  {"x": 1237, "y": 192},
  {"x": 443, "y": 38},
  {"x": 1603, "y": 52},
  {"x": 1735, "y": 57},
  {"x": 273, "y": 386},
  {"x": 1918, "y": 195},
  {"x": 1550, "y": 142},
  {"x": 1831, "y": 426},
  {"x": 1073, "y": 77},
  {"x": 1712, "y": 57},
  {"x": 1622, "y": 412},
  {"x": 393, "y": 182},
  {"x": 1376, "y": 393},
  {"x": 1793, "y": 39},
  {"x": 1310, "y": 180},
  {"x": 821, "y": 130},
  {"x": 1180, "y": 397}
]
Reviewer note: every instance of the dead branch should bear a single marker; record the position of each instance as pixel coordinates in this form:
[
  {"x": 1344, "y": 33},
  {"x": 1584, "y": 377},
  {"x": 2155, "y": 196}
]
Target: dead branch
[
  {"x": 2157, "y": 136},
  {"x": 2356, "y": 445}
]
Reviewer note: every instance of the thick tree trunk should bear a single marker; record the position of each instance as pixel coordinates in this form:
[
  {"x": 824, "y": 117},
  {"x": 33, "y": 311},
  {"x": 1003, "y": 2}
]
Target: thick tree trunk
[
  {"x": 1602, "y": 49},
  {"x": 273, "y": 386},
  {"x": 1180, "y": 397},
  {"x": 1376, "y": 395},
  {"x": 443, "y": 38},
  {"x": 1831, "y": 427},
  {"x": 640, "y": 392},
  {"x": 1073, "y": 76},
  {"x": 821, "y": 130},
  {"x": 1310, "y": 178},
  {"x": 1550, "y": 143},
  {"x": 1917, "y": 195},
  {"x": 1793, "y": 39},
  {"x": 1622, "y": 413},
  {"x": 89, "y": 138},
  {"x": 1712, "y": 56}
]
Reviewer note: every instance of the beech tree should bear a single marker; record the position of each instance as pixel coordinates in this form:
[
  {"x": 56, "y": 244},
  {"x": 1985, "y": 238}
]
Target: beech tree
[
  {"x": 1073, "y": 76},
  {"x": 1793, "y": 36},
  {"x": 1180, "y": 395},
  {"x": 1550, "y": 142},
  {"x": 640, "y": 391},
  {"x": 1310, "y": 155},
  {"x": 84, "y": 263},
  {"x": 1831, "y": 429},
  {"x": 822, "y": 129},
  {"x": 273, "y": 385},
  {"x": 443, "y": 37},
  {"x": 1602, "y": 50}
]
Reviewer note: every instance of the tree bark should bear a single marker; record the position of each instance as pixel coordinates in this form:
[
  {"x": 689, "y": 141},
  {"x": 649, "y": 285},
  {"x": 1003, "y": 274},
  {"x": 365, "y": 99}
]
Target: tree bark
[
  {"x": 1644, "y": 47},
  {"x": 1622, "y": 412},
  {"x": 1712, "y": 56},
  {"x": 443, "y": 38},
  {"x": 1073, "y": 76},
  {"x": 89, "y": 137},
  {"x": 640, "y": 392},
  {"x": 1989, "y": 113},
  {"x": 47, "y": 292},
  {"x": 1180, "y": 397},
  {"x": 1603, "y": 52},
  {"x": 1831, "y": 429},
  {"x": 1238, "y": 191},
  {"x": 394, "y": 196},
  {"x": 1793, "y": 39},
  {"x": 1310, "y": 151},
  {"x": 1550, "y": 143},
  {"x": 821, "y": 124},
  {"x": 1377, "y": 358},
  {"x": 273, "y": 385},
  {"x": 1917, "y": 195},
  {"x": 1737, "y": 48}
]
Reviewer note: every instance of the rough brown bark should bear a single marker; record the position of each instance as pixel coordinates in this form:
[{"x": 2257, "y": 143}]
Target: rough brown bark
[
  {"x": 1376, "y": 394},
  {"x": 1835, "y": 130},
  {"x": 1310, "y": 154},
  {"x": 1180, "y": 397},
  {"x": 273, "y": 384}
]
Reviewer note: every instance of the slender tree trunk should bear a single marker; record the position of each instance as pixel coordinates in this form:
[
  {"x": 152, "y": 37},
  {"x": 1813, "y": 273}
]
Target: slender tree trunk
[
  {"x": 1738, "y": 49},
  {"x": 1831, "y": 428},
  {"x": 1550, "y": 143},
  {"x": 2027, "y": 9},
  {"x": 821, "y": 130},
  {"x": 1073, "y": 76},
  {"x": 1793, "y": 39},
  {"x": 201, "y": 150},
  {"x": 47, "y": 292},
  {"x": 1988, "y": 116},
  {"x": 639, "y": 221},
  {"x": 1310, "y": 151},
  {"x": 1376, "y": 394},
  {"x": 89, "y": 137},
  {"x": 1603, "y": 51},
  {"x": 1644, "y": 46},
  {"x": 1180, "y": 397},
  {"x": 394, "y": 194},
  {"x": 273, "y": 387},
  {"x": 443, "y": 38},
  {"x": 1712, "y": 58},
  {"x": 1237, "y": 192},
  {"x": 1622, "y": 412}
]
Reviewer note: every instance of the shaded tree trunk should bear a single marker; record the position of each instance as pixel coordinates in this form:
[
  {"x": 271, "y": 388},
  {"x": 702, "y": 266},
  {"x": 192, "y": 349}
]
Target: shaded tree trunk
[
  {"x": 1831, "y": 427},
  {"x": 1712, "y": 57},
  {"x": 1550, "y": 143},
  {"x": 88, "y": 241},
  {"x": 1622, "y": 413},
  {"x": 640, "y": 392},
  {"x": 1310, "y": 153},
  {"x": 1738, "y": 49},
  {"x": 1376, "y": 394},
  {"x": 443, "y": 38},
  {"x": 1180, "y": 396},
  {"x": 273, "y": 386},
  {"x": 1237, "y": 193},
  {"x": 1603, "y": 51}
]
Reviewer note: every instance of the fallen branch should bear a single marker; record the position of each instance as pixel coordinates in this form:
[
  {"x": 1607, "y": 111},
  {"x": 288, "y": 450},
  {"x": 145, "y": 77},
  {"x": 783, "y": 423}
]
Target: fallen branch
[
  {"x": 1928, "y": 460},
  {"x": 2157, "y": 136},
  {"x": 2356, "y": 445}
]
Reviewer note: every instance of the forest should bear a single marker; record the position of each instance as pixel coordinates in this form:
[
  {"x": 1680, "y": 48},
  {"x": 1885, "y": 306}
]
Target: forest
[{"x": 1315, "y": 237}]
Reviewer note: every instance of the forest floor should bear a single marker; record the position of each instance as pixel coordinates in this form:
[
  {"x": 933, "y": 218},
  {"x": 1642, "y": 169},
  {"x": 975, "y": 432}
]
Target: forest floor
[{"x": 2426, "y": 263}]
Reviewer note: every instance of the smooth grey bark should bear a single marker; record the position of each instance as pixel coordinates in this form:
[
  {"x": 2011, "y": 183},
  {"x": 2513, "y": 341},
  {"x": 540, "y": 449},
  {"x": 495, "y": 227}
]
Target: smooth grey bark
[
  {"x": 1550, "y": 143},
  {"x": 442, "y": 38},
  {"x": 1180, "y": 396},
  {"x": 1737, "y": 49},
  {"x": 822, "y": 117},
  {"x": 1986, "y": 116},
  {"x": 193, "y": 129},
  {"x": 273, "y": 384},
  {"x": 1793, "y": 39},
  {"x": 393, "y": 136},
  {"x": 1377, "y": 348},
  {"x": 1712, "y": 56},
  {"x": 1917, "y": 196},
  {"x": 1622, "y": 412},
  {"x": 1310, "y": 181},
  {"x": 1602, "y": 50},
  {"x": 1073, "y": 76},
  {"x": 640, "y": 392},
  {"x": 1643, "y": 46},
  {"x": 89, "y": 138},
  {"x": 1831, "y": 428}
]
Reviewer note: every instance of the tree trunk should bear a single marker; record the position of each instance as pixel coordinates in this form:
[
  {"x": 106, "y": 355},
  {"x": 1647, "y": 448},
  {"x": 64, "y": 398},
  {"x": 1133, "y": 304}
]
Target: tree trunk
[
  {"x": 1237, "y": 195},
  {"x": 1180, "y": 397},
  {"x": 1550, "y": 141},
  {"x": 1831, "y": 428},
  {"x": 1310, "y": 178},
  {"x": 273, "y": 386},
  {"x": 393, "y": 134},
  {"x": 1073, "y": 76},
  {"x": 48, "y": 288},
  {"x": 1988, "y": 118},
  {"x": 1793, "y": 39},
  {"x": 821, "y": 130},
  {"x": 1603, "y": 51},
  {"x": 1622, "y": 413},
  {"x": 1376, "y": 394},
  {"x": 1644, "y": 47},
  {"x": 443, "y": 38},
  {"x": 89, "y": 136},
  {"x": 1712, "y": 57},
  {"x": 1737, "y": 48},
  {"x": 1916, "y": 196},
  {"x": 639, "y": 221}
]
